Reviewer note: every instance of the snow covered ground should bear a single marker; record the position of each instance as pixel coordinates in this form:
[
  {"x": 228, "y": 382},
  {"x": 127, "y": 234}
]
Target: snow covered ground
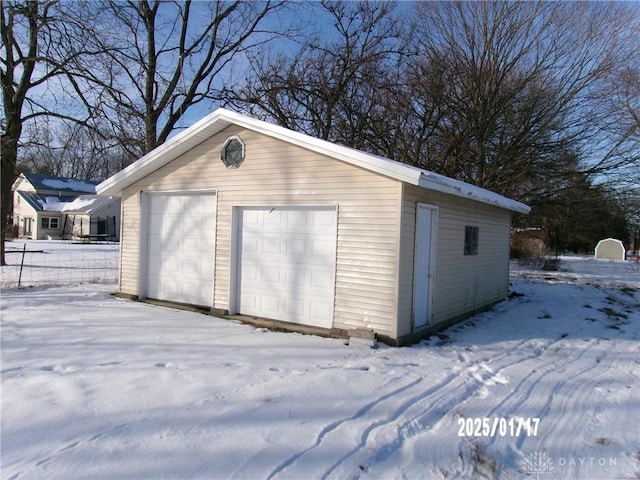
[{"x": 96, "y": 387}]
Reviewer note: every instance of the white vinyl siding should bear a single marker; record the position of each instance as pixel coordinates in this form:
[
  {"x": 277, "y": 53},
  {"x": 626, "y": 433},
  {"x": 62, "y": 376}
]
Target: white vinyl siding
[
  {"x": 22, "y": 210},
  {"x": 130, "y": 242},
  {"x": 462, "y": 283},
  {"x": 277, "y": 173}
]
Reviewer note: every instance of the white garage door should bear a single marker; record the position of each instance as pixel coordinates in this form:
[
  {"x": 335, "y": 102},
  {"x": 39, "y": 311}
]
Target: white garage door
[
  {"x": 181, "y": 248},
  {"x": 286, "y": 264}
]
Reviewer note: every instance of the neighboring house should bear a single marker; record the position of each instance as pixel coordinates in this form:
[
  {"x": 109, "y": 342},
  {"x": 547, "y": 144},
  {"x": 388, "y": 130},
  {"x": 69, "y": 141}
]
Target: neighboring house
[
  {"x": 247, "y": 218},
  {"x": 46, "y": 207},
  {"x": 610, "y": 249}
]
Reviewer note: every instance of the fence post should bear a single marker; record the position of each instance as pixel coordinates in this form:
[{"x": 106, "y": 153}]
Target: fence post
[{"x": 24, "y": 250}]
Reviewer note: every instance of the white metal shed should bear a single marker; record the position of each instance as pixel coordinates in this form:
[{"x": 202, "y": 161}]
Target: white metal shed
[{"x": 610, "y": 249}]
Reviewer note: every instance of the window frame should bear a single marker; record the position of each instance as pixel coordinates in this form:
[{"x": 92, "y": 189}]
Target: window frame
[
  {"x": 471, "y": 240},
  {"x": 49, "y": 222},
  {"x": 27, "y": 222},
  {"x": 232, "y": 163}
]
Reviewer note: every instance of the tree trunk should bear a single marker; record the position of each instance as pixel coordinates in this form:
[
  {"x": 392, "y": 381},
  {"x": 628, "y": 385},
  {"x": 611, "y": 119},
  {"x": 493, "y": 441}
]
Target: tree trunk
[{"x": 8, "y": 155}]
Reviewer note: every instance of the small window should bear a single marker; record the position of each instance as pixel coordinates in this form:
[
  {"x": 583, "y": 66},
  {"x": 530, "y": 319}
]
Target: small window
[
  {"x": 233, "y": 152},
  {"x": 49, "y": 223},
  {"x": 471, "y": 240}
]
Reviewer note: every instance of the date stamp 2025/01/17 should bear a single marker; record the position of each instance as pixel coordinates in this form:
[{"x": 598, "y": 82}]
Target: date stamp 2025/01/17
[{"x": 498, "y": 426}]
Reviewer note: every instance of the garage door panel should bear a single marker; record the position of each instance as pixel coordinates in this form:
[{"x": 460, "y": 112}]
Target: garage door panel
[
  {"x": 295, "y": 308},
  {"x": 156, "y": 226},
  {"x": 297, "y": 247},
  {"x": 271, "y": 303},
  {"x": 271, "y": 275},
  {"x": 320, "y": 279},
  {"x": 191, "y": 246},
  {"x": 272, "y": 246},
  {"x": 273, "y": 220},
  {"x": 296, "y": 278},
  {"x": 251, "y": 220},
  {"x": 322, "y": 248},
  {"x": 296, "y": 219},
  {"x": 286, "y": 264},
  {"x": 250, "y": 273},
  {"x": 319, "y": 311},
  {"x": 249, "y": 246},
  {"x": 154, "y": 246},
  {"x": 180, "y": 248}
]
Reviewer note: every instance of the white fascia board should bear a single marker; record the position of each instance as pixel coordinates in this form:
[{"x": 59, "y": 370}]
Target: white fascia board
[
  {"x": 222, "y": 118},
  {"x": 440, "y": 183}
]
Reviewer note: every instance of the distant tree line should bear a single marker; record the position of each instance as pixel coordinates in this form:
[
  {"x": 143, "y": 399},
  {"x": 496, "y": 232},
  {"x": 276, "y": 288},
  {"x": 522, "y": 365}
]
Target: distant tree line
[{"x": 539, "y": 101}]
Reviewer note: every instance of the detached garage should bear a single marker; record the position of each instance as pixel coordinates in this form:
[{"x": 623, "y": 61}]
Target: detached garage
[{"x": 246, "y": 218}]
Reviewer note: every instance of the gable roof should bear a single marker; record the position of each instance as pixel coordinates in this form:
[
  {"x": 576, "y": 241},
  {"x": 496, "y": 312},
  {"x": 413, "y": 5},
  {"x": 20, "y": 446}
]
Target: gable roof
[
  {"x": 63, "y": 184},
  {"x": 222, "y": 118},
  {"x": 33, "y": 199}
]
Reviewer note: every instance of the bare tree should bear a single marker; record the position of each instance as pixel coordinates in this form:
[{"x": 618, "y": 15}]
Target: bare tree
[
  {"x": 70, "y": 150},
  {"x": 126, "y": 71},
  {"x": 164, "y": 57},
  {"x": 330, "y": 86},
  {"x": 520, "y": 84},
  {"x": 617, "y": 145},
  {"x": 39, "y": 44}
]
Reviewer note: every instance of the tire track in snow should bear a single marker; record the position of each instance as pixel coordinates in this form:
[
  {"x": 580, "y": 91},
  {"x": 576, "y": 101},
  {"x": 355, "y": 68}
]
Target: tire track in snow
[
  {"x": 451, "y": 391},
  {"x": 523, "y": 391},
  {"x": 537, "y": 374},
  {"x": 434, "y": 413},
  {"x": 335, "y": 425},
  {"x": 578, "y": 394},
  {"x": 531, "y": 389},
  {"x": 526, "y": 390},
  {"x": 570, "y": 418},
  {"x": 577, "y": 412}
]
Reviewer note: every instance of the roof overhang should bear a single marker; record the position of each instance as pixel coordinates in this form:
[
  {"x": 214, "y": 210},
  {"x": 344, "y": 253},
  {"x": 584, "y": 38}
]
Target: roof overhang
[
  {"x": 440, "y": 183},
  {"x": 222, "y": 118}
]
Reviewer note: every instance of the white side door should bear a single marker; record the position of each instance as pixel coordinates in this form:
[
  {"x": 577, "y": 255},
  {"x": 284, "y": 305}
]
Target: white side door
[{"x": 424, "y": 264}]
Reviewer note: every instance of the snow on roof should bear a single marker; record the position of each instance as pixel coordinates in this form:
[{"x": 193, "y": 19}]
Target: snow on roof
[
  {"x": 222, "y": 118},
  {"x": 47, "y": 182},
  {"x": 435, "y": 181},
  {"x": 32, "y": 199},
  {"x": 86, "y": 203},
  {"x": 53, "y": 204}
]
